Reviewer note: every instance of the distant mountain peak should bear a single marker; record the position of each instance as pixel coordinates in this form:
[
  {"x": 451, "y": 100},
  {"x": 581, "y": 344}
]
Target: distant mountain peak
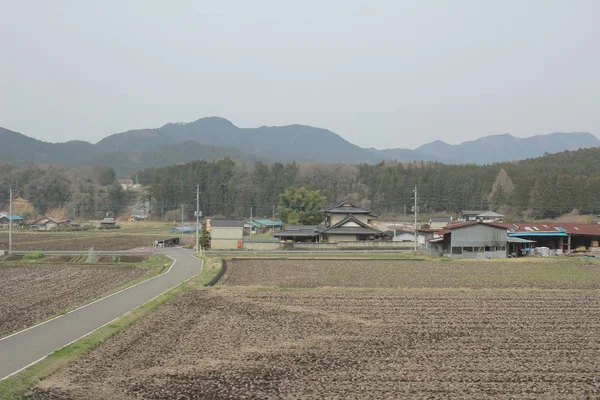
[{"x": 301, "y": 143}]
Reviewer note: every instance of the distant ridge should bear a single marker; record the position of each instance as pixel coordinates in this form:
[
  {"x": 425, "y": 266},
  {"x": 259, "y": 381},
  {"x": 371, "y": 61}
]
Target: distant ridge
[{"x": 216, "y": 137}]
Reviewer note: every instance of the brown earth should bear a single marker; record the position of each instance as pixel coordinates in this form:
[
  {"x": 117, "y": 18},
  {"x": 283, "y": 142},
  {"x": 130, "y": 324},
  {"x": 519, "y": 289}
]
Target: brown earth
[
  {"x": 406, "y": 273},
  {"x": 75, "y": 241},
  {"x": 34, "y": 292},
  {"x": 240, "y": 343}
]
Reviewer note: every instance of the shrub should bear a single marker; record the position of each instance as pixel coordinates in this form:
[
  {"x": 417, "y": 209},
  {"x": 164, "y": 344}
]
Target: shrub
[{"x": 34, "y": 256}]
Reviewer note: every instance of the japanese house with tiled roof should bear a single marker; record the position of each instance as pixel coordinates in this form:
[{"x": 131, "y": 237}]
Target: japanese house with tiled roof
[{"x": 346, "y": 222}]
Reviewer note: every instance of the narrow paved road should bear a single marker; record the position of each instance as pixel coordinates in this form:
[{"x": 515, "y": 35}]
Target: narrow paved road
[{"x": 29, "y": 346}]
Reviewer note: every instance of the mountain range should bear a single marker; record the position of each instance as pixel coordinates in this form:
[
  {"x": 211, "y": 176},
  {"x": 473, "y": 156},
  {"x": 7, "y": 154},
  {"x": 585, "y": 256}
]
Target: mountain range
[{"x": 215, "y": 137}]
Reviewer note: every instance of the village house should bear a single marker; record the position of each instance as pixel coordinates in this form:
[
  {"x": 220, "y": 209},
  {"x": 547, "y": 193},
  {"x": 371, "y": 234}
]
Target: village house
[
  {"x": 48, "y": 224},
  {"x": 345, "y": 222},
  {"x": 5, "y": 220},
  {"x": 484, "y": 216},
  {"x": 299, "y": 233}
]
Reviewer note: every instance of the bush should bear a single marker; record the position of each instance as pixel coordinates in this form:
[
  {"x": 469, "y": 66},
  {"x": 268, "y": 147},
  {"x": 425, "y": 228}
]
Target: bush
[{"x": 34, "y": 256}]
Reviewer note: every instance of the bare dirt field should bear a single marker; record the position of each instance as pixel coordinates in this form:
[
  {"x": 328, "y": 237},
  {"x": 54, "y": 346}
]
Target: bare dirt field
[
  {"x": 30, "y": 293},
  {"x": 406, "y": 273},
  {"x": 243, "y": 343},
  {"x": 76, "y": 241}
]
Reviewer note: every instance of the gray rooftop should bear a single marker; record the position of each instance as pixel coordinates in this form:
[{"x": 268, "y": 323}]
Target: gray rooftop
[
  {"x": 227, "y": 223},
  {"x": 346, "y": 207}
]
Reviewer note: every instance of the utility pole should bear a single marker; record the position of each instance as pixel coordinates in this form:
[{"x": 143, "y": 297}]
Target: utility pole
[
  {"x": 273, "y": 227},
  {"x": 197, "y": 218},
  {"x": 182, "y": 222},
  {"x": 404, "y": 216},
  {"x": 416, "y": 212},
  {"x": 10, "y": 223},
  {"x": 251, "y": 224}
]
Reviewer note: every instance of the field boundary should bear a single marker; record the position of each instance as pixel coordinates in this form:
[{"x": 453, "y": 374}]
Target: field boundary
[
  {"x": 219, "y": 275},
  {"x": 333, "y": 258}
]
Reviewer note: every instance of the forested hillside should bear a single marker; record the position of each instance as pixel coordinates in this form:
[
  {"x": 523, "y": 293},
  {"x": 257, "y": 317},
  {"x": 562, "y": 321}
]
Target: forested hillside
[{"x": 543, "y": 187}]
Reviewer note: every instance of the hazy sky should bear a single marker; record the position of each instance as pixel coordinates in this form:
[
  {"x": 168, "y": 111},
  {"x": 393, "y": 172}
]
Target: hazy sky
[{"x": 379, "y": 73}]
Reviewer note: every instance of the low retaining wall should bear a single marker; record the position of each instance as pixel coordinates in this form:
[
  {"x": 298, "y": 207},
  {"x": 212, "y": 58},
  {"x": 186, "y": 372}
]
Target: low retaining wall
[
  {"x": 374, "y": 246},
  {"x": 219, "y": 275},
  {"x": 314, "y": 246},
  {"x": 277, "y": 246},
  {"x": 263, "y": 246}
]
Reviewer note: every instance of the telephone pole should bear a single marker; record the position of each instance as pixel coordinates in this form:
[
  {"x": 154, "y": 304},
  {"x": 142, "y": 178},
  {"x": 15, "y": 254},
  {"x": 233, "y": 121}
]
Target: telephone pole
[
  {"x": 416, "y": 212},
  {"x": 197, "y": 218},
  {"x": 251, "y": 224},
  {"x": 273, "y": 227},
  {"x": 10, "y": 222},
  {"x": 182, "y": 222}
]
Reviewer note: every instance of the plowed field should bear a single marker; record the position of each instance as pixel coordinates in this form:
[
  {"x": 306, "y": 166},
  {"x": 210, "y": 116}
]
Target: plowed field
[
  {"x": 32, "y": 293},
  {"x": 403, "y": 273},
  {"x": 241, "y": 343},
  {"x": 81, "y": 241}
]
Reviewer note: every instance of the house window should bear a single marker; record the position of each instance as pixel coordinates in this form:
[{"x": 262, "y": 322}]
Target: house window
[
  {"x": 500, "y": 248},
  {"x": 457, "y": 250},
  {"x": 488, "y": 248},
  {"x": 468, "y": 250}
]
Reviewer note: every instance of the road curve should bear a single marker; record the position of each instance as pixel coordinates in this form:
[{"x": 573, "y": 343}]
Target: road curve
[{"x": 31, "y": 345}]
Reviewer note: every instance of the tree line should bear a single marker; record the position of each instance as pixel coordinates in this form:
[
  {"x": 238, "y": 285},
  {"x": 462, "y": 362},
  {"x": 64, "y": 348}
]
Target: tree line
[
  {"x": 543, "y": 187},
  {"x": 83, "y": 192}
]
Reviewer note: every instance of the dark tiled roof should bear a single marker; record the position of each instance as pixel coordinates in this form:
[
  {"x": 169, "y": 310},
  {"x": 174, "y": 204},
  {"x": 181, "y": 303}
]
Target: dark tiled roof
[
  {"x": 352, "y": 231},
  {"x": 471, "y": 212},
  {"x": 361, "y": 227},
  {"x": 298, "y": 230},
  {"x": 227, "y": 223},
  {"x": 346, "y": 207},
  {"x": 440, "y": 219}
]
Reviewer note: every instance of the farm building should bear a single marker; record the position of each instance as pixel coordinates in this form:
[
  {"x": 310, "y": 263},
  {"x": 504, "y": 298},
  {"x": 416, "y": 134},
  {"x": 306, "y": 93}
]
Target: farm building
[
  {"x": 474, "y": 239},
  {"x": 6, "y": 218},
  {"x": 226, "y": 234},
  {"x": 49, "y": 223},
  {"x": 299, "y": 233},
  {"x": 345, "y": 222},
  {"x": 108, "y": 223},
  {"x": 560, "y": 237}
]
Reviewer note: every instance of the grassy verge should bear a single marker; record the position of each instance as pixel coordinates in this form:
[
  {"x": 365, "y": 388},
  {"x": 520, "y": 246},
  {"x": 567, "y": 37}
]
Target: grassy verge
[{"x": 17, "y": 385}]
